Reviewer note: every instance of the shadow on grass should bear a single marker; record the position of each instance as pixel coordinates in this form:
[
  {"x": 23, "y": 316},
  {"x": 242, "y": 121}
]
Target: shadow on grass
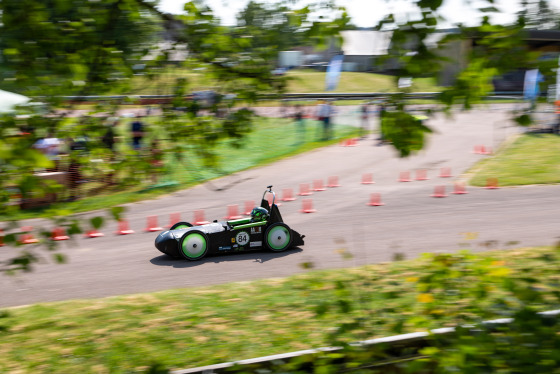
[{"x": 261, "y": 256}]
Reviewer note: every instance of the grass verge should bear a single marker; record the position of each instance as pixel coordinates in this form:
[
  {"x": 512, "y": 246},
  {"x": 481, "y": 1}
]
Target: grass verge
[
  {"x": 530, "y": 159},
  {"x": 194, "y": 327},
  {"x": 301, "y": 81}
]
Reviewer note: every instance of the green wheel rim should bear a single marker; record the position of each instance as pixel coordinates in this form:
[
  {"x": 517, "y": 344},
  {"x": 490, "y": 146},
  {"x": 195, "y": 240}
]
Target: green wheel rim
[
  {"x": 194, "y": 245},
  {"x": 278, "y": 238},
  {"x": 181, "y": 227}
]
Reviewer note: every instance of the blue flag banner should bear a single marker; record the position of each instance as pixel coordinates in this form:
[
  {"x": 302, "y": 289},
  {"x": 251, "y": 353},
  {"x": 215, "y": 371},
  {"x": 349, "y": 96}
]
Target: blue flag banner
[
  {"x": 531, "y": 85},
  {"x": 333, "y": 72}
]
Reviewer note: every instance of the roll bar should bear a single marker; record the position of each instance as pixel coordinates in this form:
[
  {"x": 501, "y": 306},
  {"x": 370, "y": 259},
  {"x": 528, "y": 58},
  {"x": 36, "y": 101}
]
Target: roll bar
[{"x": 270, "y": 191}]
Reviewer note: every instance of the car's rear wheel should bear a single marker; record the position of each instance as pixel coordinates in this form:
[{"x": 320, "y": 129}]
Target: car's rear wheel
[
  {"x": 278, "y": 237},
  {"x": 193, "y": 245},
  {"x": 181, "y": 225}
]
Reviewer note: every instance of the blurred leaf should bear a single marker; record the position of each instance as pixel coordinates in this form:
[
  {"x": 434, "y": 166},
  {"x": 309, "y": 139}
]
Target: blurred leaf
[
  {"x": 524, "y": 120},
  {"x": 116, "y": 212},
  {"x": 59, "y": 258},
  {"x": 96, "y": 222},
  {"x": 307, "y": 265}
]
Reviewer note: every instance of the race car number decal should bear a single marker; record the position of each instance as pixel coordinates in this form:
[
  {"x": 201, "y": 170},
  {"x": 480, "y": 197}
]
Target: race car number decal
[{"x": 242, "y": 238}]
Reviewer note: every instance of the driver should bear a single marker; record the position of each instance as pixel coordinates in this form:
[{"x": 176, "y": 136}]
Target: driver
[{"x": 259, "y": 214}]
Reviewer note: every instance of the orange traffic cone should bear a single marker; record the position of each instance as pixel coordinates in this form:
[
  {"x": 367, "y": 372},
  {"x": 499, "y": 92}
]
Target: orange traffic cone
[
  {"x": 439, "y": 191},
  {"x": 492, "y": 184},
  {"x": 333, "y": 182},
  {"x": 59, "y": 234},
  {"x": 199, "y": 218},
  {"x": 287, "y": 195},
  {"x": 445, "y": 173},
  {"x": 93, "y": 233},
  {"x": 27, "y": 237},
  {"x": 367, "y": 178},
  {"x": 318, "y": 185},
  {"x": 304, "y": 190},
  {"x": 152, "y": 224},
  {"x": 249, "y": 205},
  {"x": 459, "y": 189},
  {"x": 307, "y": 206},
  {"x": 405, "y": 177},
  {"x": 173, "y": 219},
  {"x": 124, "y": 229},
  {"x": 232, "y": 212},
  {"x": 421, "y": 175},
  {"x": 375, "y": 200}
]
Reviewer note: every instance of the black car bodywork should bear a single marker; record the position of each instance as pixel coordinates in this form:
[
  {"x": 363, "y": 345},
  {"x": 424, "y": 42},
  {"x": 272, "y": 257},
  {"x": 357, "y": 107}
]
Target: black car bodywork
[{"x": 195, "y": 242}]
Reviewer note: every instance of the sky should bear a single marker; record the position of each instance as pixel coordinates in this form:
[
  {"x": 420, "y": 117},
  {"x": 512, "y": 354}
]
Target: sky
[{"x": 366, "y": 13}]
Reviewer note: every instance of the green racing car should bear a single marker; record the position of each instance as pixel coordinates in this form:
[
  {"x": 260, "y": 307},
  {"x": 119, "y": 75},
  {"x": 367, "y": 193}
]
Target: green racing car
[{"x": 264, "y": 228}]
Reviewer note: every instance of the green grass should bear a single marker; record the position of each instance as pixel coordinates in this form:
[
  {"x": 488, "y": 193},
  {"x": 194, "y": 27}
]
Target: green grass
[
  {"x": 309, "y": 81},
  {"x": 200, "y": 326},
  {"x": 302, "y": 81},
  {"x": 530, "y": 159},
  {"x": 271, "y": 139}
]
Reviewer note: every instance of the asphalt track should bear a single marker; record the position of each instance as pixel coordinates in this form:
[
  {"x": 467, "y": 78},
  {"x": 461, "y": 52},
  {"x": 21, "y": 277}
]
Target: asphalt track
[{"x": 410, "y": 223}]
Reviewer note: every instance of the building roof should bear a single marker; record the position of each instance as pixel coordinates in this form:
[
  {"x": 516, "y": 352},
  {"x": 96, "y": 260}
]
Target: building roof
[{"x": 366, "y": 42}]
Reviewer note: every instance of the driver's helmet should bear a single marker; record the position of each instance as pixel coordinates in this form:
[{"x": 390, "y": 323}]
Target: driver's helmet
[{"x": 259, "y": 214}]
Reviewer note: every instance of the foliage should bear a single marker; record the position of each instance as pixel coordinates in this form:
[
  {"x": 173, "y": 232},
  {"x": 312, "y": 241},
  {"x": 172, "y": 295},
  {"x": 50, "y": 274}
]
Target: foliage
[
  {"x": 202, "y": 326},
  {"x": 80, "y": 47},
  {"x": 492, "y": 51},
  {"x": 277, "y": 27},
  {"x": 405, "y": 131},
  {"x": 68, "y": 47}
]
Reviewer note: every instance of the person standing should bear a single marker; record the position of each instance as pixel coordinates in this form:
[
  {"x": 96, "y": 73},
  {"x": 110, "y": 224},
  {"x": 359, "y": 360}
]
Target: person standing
[
  {"x": 50, "y": 147},
  {"x": 300, "y": 125},
  {"x": 324, "y": 113},
  {"x": 364, "y": 113},
  {"x": 382, "y": 110},
  {"x": 108, "y": 138},
  {"x": 137, "y": 129}
]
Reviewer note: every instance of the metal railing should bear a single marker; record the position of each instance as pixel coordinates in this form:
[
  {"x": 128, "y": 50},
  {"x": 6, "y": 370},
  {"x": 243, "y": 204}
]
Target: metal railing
[
  {"x": 295, "y": 96},
  {"x": 397, "y": 344}
]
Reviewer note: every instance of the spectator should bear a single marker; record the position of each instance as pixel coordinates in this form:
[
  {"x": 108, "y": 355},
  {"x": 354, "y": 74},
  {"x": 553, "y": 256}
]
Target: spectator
[
  {"x": 324, "y": 113},
  {"x": 137, "y": 129},
  {"x": 382, "y": 109},
  {"x": 298, "y": 117},
  {"x": 364, "y": 114},
  {"x": 108, "y": 138},
  {"x": 50, "y": 147}
]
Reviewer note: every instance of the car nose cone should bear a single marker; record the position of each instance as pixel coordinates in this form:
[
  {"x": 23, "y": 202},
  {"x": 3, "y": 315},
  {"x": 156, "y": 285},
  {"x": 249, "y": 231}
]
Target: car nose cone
[{"x": 164, "y": 242}]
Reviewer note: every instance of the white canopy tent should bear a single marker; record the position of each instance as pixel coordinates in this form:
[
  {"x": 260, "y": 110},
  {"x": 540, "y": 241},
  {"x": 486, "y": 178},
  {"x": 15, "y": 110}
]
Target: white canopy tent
[{"x": 8, "y": 100}]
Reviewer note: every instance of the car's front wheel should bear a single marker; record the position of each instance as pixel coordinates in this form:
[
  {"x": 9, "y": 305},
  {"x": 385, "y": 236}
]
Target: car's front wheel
[
  {"x": 278, "y": 237},
  {"x": 193, "y": 245}
]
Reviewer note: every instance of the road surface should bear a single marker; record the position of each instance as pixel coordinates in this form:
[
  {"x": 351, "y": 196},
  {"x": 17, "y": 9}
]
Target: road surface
[{"x": 410, "y": 223}]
